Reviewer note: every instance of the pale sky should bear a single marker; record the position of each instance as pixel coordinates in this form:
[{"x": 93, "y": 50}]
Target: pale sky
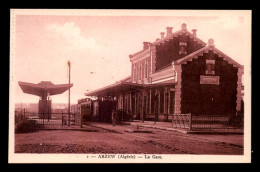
[{"x": 99, "y": 47}]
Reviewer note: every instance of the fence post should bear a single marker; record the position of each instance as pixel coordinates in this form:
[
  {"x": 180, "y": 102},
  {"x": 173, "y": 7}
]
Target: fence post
[{"x": 190, "y": 124}]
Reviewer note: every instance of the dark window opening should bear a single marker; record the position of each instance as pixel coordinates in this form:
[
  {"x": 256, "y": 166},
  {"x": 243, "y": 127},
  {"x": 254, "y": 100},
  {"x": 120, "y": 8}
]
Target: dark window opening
[
  {"x": 183, "y": 48},
  {"x": 161, "y": 101},
  {"x": 210, "y": 67}
]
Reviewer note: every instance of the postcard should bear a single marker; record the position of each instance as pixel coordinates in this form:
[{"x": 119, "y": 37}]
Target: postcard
[{"x": 130, "y": 86}]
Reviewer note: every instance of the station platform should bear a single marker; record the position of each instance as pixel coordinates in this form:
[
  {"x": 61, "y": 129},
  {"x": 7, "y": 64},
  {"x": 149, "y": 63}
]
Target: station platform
[
  {"x": 163, "y": 126},
  {"x": 120, "y": 128},
  {"x": 168, "y": 126}
]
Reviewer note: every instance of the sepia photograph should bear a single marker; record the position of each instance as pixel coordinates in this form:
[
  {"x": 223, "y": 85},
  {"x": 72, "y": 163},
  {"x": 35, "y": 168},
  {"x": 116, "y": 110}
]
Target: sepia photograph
[{"x": 130, "y": 86}]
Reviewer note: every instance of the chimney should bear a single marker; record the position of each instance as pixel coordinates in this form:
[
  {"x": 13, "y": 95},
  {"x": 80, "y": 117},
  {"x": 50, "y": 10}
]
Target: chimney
[
  {"x": 211, "y": 42},
  {"x": 194, "y": 32},
  {"x": 169, "y": 31},
  {"x": 184, "y": 27},
  {"x": 146, "y": 45},
  {"x": 162, "y": 35}
]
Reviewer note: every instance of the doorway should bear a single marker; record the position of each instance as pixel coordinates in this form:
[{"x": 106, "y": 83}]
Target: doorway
[{"x": 209, "y": 101}]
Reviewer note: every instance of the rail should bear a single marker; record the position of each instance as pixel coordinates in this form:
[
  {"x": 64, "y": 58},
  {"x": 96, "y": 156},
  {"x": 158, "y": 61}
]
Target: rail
[
  {"x": 181, "y": 121},
  {"x": 56, "y": 118},
  {"x": 190, "y": 121}
]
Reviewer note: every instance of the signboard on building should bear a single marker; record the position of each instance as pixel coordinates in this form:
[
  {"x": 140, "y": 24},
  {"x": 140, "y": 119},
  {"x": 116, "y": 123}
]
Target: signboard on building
[{"x": 209, "y": 79}]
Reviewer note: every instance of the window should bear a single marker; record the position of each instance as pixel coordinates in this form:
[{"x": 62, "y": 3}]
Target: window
[
  {"x": 183, "y": 47},
  {"x": 135, "y": 74},
  {"x": 210, "y": 67},
  {"x": 140, "y": 71},
  {"x": 146, "y": 68},
  {"x": 152, "y": 101},
  {"x": 172, "y": 101},
  {"x": 161, "y": 101}
]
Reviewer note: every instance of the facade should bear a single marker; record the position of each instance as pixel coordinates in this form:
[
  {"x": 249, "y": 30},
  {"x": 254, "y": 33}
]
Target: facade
[{"x": 178, "y": 74}]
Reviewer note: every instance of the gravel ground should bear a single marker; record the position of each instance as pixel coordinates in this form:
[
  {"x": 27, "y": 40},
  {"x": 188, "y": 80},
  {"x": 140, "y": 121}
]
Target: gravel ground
[
  {"x": 81, "y": 142},
  {"x": 105, "y": 141}
]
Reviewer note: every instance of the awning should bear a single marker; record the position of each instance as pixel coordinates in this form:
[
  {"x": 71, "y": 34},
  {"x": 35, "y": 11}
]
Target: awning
[
  {"x": 38, "y": 89},
  {"x": 121, "y": 86},
  {"x": 112, "y": 90}
]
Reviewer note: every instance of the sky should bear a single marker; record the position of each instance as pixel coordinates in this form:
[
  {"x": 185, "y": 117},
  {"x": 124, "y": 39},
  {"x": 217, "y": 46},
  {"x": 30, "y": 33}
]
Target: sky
[{"x": 98, "y": 47}]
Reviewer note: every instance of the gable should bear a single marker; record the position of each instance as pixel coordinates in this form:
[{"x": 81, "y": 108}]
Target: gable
[
  {"x": 176, "y": 47},
  {"x": 201, "y": 51}
]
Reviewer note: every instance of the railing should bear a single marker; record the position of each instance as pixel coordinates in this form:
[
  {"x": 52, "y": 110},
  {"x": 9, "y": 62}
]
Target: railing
[
  {"x": 190, "y": 122},
  {"x": 59, "y": 118},
  {"x": 211, "y": 122},
  {"x": 181, "y": 121}
]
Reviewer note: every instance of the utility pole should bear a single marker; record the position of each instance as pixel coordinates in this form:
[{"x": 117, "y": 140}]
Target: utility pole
[{"x": 69, "y": 96}]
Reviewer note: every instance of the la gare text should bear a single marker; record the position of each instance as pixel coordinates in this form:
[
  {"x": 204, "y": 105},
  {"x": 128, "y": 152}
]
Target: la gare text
[{"x": 130, "y": 157}]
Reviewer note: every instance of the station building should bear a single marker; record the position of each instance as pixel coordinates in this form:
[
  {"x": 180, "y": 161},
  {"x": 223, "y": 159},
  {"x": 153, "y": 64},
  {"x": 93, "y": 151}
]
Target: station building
[{"x": 177, "y": 74}]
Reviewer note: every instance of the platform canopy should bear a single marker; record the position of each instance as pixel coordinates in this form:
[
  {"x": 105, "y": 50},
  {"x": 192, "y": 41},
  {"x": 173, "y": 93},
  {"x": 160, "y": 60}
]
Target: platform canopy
[
  {"x": 44, "y": 86},
  {"x": 122, "y": 86},
  {"x": 113, "y": 89}
]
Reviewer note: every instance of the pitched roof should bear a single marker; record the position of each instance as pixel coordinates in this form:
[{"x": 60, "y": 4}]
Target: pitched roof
[
  {"x": 138, "y": 52},
  {"x": 179, "y": 32},
  {"x": 162, "y": 70},
  {"x": 200, "y": 52},
  {"x": 126, "y": 79}
]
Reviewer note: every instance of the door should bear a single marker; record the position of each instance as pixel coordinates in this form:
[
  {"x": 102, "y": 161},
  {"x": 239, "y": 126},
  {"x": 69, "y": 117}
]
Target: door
[{"x": 209, "y": 101}]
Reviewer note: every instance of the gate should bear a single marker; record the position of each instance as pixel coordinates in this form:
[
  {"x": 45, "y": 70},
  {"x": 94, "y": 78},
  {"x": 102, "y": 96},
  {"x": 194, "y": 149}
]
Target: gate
[{"x": 181, "y": 121}]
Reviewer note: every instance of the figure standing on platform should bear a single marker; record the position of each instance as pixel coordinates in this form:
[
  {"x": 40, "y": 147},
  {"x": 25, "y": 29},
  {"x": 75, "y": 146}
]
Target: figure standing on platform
[{"x": 114, "y": 117}]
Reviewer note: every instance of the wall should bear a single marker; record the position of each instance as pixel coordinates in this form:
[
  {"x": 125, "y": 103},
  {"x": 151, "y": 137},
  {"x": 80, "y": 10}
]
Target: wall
[
  {"x": 169, "y": 51},
  {"x": 141, "y": 78},
  {"x": 208, "y": 99}
]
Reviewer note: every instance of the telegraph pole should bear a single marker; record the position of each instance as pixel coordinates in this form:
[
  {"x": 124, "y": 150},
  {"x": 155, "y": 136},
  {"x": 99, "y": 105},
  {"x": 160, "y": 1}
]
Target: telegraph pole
[{"x": 69, "y": 97}]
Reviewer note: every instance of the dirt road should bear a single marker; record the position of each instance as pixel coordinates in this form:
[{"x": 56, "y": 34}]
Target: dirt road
[{"x": 147, "y": 141}]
